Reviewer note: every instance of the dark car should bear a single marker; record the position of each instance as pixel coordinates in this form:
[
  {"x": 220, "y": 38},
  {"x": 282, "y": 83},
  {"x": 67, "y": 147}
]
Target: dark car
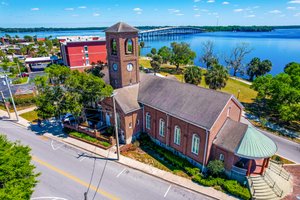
[{"x": 23, "y": 74}]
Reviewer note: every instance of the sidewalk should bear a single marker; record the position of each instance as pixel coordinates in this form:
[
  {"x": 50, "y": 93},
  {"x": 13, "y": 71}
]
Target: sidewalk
[{"x": 167, "y": 176}]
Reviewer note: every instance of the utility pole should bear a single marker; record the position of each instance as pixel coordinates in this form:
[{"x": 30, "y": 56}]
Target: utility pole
[
  {"x": 116, "y": 127},
  {"x": 4, "y": 101},
  {"x": 12, "y": 98}
]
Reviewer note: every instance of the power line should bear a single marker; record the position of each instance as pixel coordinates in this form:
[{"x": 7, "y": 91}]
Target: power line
[
  {"x": 101, "y": 175},
  {"x": 92, "y": 176}
]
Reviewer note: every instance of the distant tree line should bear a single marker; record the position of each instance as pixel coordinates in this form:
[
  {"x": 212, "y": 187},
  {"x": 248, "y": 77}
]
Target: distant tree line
[{"x": 207, "y": 28}]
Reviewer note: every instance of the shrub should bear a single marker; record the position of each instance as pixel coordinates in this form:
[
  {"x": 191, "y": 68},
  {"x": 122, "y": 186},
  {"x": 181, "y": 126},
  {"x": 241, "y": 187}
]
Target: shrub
[
  {"x": 192, "y": 171},
  {"x": 234, "y": 188},
  {"x": 215, "y": 168},
  {"x": 23, "y": 100},
  {"x": 89, "y": 138}
]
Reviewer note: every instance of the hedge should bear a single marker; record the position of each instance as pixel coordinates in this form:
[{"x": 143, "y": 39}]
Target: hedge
[
  {"x": 23, "y": 100},
  {"x": 89, "y": 138}
]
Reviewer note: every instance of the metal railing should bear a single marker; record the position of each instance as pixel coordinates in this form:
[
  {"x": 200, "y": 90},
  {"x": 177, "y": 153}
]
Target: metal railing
[
  {"x": 272, "y": 184},
  {"x": 278, "y": 169}
]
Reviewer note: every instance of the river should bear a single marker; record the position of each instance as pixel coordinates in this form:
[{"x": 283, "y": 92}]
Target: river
[{"x": 281, "y": 46}]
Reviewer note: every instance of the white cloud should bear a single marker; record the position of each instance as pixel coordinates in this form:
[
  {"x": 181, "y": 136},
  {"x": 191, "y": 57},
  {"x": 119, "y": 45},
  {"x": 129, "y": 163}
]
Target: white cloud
[
  {"x": 82, "y": 7},
  {"x": 225, "y": 3},
  {"x": 295, "y": 1},
  {"x": 250, "y": 16},
  {"x": 255, "y": 7},
  {"x": 291, "y": 8},
  {"x": 4, "y": 3},
  {"x": 35, "y": 9},
  {"x": 173, "y": 11},
  {"x": 297, "y": 15},
  {"x": 211, "y": 1},
  {"x": 196, "y": 9},
  {"x": 96, "y": 14},
  {"x": 75, "y": 15},
  {"x": 275, "y": 11},
  {"x": 197, "y": 15},
  {"x": 138, "y": 9},
  {"x": 69, "y": 9},
  {"x": 196, "y": 1},
  {"x": 238, "y": 10},
  {"x": 179, "y": 14}
]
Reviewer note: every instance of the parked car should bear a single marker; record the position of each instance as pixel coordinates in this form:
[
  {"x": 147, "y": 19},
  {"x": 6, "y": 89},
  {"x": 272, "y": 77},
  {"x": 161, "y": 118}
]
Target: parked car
[
  {"x": 68, "y": 118},
  {"x": 23, "y": 74}
]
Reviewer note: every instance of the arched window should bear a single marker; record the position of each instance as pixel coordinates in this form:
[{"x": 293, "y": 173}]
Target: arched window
[
  {"x": 148, "y": 121},
  {"x": 129, "y": 46},
  {"x": 221, "y": 157},
  {"x": 195, "y": 144},
  {"x": 177, "y": 135},
  {"x": 162, "y": 127},
  {"x": 113, "y": 45}
]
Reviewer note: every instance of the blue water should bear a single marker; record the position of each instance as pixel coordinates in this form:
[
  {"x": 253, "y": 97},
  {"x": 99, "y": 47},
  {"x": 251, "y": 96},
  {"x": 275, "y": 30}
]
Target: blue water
[{"x": 280, "y": 46}]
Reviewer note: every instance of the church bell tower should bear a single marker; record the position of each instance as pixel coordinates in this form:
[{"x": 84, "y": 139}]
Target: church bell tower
[{"x": 122, "y": 55}]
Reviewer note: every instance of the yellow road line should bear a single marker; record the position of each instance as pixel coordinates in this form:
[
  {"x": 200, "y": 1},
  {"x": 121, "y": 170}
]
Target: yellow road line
[{"x": 102, "y": 192}]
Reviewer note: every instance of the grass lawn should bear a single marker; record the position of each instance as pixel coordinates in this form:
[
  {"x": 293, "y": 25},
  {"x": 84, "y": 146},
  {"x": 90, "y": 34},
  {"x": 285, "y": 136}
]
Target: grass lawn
[
  {"x": 282, "y": 160},
  {"x": 11, "y": 109},
  {"x": 30, "y": 116},
  {"x": 247, "y": 95}
]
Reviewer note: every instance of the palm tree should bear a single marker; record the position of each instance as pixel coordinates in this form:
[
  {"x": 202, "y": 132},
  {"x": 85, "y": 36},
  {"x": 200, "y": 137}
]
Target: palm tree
[
  {"x": 216, "y": 77},
  {"x": 192, "y": 75}
]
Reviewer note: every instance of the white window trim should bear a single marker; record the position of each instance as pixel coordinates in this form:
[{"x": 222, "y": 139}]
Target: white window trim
[
  {"x": 193, "y": 144},
  {"x": 162, "y": 128},
  {"x": 148, "y": 123},
  {"x": 177, "y": 135},
  {"x": 221, "y": 157}
]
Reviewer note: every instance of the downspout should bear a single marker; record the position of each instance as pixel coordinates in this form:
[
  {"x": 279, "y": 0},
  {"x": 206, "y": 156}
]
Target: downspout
[
  {"x": 167, "y": 133},
  {"x": 143, "y": 119},
  {"x": 205, "y": 149}
]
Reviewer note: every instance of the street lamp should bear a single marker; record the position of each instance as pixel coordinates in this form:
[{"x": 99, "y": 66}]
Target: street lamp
[
  {"x": 12, "y": 98},
  {"x": 116, "y": 125}
]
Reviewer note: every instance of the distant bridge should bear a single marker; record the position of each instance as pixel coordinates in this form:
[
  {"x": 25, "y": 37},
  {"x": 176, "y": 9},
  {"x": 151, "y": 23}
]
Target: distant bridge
[{"x": 169, "y": 31}]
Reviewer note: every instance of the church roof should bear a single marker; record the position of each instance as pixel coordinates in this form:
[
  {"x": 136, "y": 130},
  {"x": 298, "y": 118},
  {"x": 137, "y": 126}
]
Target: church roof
[
  {"x": 196, "y": 105},
  {"x": 126, "y": 98},
  {"x": 121, "y": 27},
  {"x": 230, "y": 135},
  {"x": 244, "y": 141}
]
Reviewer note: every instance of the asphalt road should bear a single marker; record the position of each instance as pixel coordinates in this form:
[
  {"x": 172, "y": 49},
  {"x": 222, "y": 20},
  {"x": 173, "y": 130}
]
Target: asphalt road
[{"x": 67, "y": 171}]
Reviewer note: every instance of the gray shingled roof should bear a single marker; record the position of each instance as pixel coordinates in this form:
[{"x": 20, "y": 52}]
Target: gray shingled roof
[
  {"x": 121, "y": 27},
  {"x": 126, "y": 98},
  {"x": 191, "y": 103},
  {"x": 230, "y": 135}
]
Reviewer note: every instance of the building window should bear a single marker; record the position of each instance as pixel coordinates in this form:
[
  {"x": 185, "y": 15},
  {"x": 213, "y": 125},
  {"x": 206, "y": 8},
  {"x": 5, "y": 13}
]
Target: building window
[
  {"x": 221, "y": 157},
  {"x": 138, "y": 122},
  {"x": 177, "y": 135},
  {"x": 86, "y": 55},
  {"x": 148, "y": 121},
  {"x": 228, "y": 111},
  {"x": 130, "y": 124},
  {"x": 162, "y": 127},
  {"x": 87, "y": 62},
  {"x": 85, "y": 48},
  {"x": 129, "y": 46},
  {"x": 195, "y": 144},
  {"x": 113, "y": 44}
]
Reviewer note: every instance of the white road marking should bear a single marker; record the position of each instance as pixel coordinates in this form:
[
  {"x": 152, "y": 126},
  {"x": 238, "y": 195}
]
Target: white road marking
[
  {"x": 167, "y": 191},
  {"x": 82, "y": 159},
  {"x": 55, "y": 148},
  {"x": 121, "y": 172}
]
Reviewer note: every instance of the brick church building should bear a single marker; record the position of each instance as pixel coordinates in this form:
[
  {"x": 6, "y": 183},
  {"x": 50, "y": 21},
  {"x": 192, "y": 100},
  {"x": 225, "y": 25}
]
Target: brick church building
[{"x": 196, "y": 123}]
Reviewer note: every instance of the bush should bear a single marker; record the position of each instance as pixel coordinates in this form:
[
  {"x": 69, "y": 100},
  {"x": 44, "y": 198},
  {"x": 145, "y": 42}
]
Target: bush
[
  {"x": 89, "y": 138},
  {"x": 215, "y": 168},
  {"x": 23, "y": 100},
  {"x": 234, "y": 188}
]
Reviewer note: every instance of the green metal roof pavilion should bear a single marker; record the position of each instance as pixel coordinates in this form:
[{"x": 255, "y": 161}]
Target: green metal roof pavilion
[{"x": 255, "y": 145}]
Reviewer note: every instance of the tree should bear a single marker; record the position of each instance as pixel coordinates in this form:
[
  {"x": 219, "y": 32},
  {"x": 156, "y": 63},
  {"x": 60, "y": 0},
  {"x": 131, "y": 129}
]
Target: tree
[
  {"x": 165, "y": 53},
  {"x": 58, "y": 73},
  {"x": 181, "y": 54},
  {"x": 155, "y": 63},
  {"x": 236, "y": 58},
  {"x": 208, "y": 57},
  {"x": 215, "y": 168},
  {"x": 257, "y": 68},
  {"x": 193, "y": 75},
  {"x": 142, "y": 44},
  {"x": 11, "y": 51},
  {"x": 216, "y": 77},
  {"x": 17, "y": 175},
  {"x": 42, "y": 51},
  {"x": 153, "y": 51},
  {"x": 16, "y": 60},
  {"x": 28, "y": 38},
  {"x": 23, "y": 50},
  {"x": 49, "y": 45},
  {"x": 96, "y": 69}
]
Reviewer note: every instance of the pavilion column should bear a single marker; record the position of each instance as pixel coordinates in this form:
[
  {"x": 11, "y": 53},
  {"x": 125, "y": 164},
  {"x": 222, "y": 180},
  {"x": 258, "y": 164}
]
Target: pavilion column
[
  {"x": 263, "y": 166},
  {"x": 249, "y": 168},
  {"x": 267, "y": 163}
]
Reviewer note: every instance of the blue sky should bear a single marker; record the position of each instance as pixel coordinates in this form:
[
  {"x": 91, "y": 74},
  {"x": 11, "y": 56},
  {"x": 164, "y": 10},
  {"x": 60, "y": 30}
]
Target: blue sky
[{"x": 84, "y": 13}]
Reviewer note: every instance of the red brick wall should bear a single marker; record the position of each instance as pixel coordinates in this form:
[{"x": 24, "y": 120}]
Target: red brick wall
[
  {"x": 187, "y": 131},
  {"x": 76, "y": 55},
  {"x": 229, "y": 158},
  {"x": 235, "y": 114}
]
